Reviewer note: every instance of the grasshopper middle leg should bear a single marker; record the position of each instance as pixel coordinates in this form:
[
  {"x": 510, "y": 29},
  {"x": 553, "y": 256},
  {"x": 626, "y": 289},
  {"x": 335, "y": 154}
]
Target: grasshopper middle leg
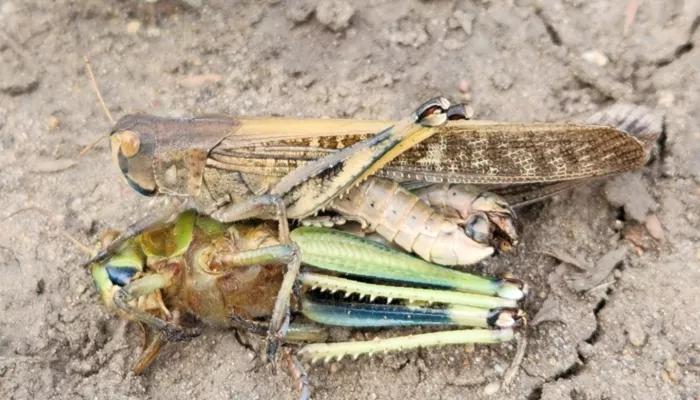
[{"x": 288, "y": 254}]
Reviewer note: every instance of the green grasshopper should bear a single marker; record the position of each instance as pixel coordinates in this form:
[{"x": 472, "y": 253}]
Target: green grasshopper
[{"x": 196, "y": 271}]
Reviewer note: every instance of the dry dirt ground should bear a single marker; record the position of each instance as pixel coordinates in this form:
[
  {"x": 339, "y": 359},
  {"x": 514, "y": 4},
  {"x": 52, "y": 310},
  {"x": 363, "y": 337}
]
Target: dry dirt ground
[{"x": 633, "y": 336}]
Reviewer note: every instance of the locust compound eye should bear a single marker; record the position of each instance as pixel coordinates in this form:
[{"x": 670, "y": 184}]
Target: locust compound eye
[
  {"x": 133, "y": 153},
  {"x": 478, "y": 228},
  {"x": 130, "y": 143}
]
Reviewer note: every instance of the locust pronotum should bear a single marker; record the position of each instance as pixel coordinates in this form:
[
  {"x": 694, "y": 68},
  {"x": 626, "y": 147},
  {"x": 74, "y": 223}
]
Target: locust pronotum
[
  {"x": 234, "y": 169},
  {"x": 196, "y": 270}
]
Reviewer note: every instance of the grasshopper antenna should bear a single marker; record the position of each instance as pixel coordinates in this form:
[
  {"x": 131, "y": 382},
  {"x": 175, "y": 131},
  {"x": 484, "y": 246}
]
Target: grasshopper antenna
[
  {"x": 85, "y": 249},
  {"x": 102, "y": 102}
]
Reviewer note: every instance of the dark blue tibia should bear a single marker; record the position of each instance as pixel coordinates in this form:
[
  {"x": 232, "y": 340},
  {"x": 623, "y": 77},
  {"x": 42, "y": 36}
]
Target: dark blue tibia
[{"x": 338, "y": 313}]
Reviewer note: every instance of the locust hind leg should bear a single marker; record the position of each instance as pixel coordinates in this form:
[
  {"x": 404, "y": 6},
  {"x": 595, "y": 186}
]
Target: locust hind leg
[{"x": 314, "y": 185}]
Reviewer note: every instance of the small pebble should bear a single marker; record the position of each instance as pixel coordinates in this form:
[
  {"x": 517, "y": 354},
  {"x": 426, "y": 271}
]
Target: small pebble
[
  {"x": 492, "y": 388},
  {"x": 666, "y": 377},
  {"x": 452, "y": 23},
  {"x": 153, "y": 31},
  {"x": 453, "y": 44},
  {"x": 596, "y": 57},
  {"x": 52, "y": 123},
  {"x": 80, "y": 288},
  {"x": 666, "y": 99},
  {"x": 673, "y": 370},
  {"x": 502, "y": 81},
  {"x": 335, "y": 14},
  {"x": 635, "y": 334},
  {"x": 7, "y": 8},
  {"x": 300, "y": 11},
  {"x": 618, "y": 225},
  {"x": 463, "y": 86},
  {"x": 654, "y": 227},
  {"x": 586, "y": 350},
  {"x": 465, "y": 21},
  {"x": 133, "y": 27},
  {"x": 197, "y": 81}
]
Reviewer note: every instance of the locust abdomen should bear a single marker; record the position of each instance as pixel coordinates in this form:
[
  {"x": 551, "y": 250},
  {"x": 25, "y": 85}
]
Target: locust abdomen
[{"x": 403, "y": 218}]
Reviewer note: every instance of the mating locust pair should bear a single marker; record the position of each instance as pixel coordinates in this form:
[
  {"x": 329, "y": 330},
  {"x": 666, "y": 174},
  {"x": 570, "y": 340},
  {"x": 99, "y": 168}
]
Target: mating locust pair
[{"x": 232, "y": 261}]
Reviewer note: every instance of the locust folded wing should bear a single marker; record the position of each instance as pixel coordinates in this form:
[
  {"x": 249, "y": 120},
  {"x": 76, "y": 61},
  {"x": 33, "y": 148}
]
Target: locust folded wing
[{"x": 523, "y": 162}]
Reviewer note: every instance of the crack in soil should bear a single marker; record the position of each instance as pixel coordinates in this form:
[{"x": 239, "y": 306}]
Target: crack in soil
[
  {"x": 552, "y": 32},
  {"x": 580, "y": 365},
  {"x": 684, "y": 48}
]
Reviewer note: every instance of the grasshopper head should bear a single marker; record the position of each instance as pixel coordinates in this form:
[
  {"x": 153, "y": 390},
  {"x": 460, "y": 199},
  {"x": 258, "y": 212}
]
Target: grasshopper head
[
  {"x": 133, "y": 150},
  {"x": 117, "y": 271}
]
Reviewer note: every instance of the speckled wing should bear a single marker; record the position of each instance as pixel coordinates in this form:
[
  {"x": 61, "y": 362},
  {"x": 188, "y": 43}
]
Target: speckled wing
[
  {"x": 476, "y": 152},
  {"x": 480, "y": 152},
  {"x": 641, "y": 122}
]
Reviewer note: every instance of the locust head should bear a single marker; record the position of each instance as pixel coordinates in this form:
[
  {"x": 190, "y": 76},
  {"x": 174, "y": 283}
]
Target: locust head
[
  {"x": 133, "y": 150},
  {"x": 166, "y": 156}
]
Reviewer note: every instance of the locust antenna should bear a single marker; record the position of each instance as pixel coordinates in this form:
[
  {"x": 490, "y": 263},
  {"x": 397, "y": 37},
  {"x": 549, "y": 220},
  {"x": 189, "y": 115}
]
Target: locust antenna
[
  {"x": 104, "y": 107},
  {"x": 85, "y": 249},
  {"x": 97, "y": 89},
  {"x": 91, "y": 145}
]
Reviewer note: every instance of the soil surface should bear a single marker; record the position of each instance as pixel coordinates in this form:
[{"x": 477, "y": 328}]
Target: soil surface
[{"x": 633, "y": 335}]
